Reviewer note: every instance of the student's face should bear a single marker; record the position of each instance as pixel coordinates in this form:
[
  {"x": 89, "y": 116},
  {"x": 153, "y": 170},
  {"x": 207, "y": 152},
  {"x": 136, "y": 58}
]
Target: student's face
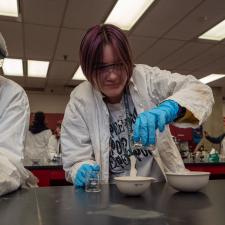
[{"x": 112, "y": 76}]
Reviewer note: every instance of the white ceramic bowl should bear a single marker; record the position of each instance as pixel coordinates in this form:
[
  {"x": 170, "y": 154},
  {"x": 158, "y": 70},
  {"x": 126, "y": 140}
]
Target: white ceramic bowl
[
  {"x": 133, "y": 185},
  {"x": 189, "y": 181}
]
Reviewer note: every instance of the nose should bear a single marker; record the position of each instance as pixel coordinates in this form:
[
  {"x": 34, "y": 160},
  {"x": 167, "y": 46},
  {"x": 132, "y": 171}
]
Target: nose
[{"x": 111, "y": 76}]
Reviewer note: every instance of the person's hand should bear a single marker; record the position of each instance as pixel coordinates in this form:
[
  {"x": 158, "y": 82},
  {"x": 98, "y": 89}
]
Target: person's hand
[
  {"x": 156, "y": 118},
  {"x": 79, "y": 180},
  {"x": 206, "y": 133}
]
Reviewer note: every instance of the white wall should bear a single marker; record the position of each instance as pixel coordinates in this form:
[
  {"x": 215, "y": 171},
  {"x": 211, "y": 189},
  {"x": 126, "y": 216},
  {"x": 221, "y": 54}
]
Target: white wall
[
  {"x": 214, "y": 124},
  {"x": 48, "y": 103}
]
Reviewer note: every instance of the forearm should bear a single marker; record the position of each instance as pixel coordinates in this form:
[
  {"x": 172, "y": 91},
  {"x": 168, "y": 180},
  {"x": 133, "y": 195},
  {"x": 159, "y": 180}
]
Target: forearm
[
  {"x": 185, "y": 116},
  {"x": 187, "y": 91},
  {"x": 215, "y": 140}
]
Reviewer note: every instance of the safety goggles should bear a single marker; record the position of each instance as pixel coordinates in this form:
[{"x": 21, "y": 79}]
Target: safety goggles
[{"x": 107, "y": 69}]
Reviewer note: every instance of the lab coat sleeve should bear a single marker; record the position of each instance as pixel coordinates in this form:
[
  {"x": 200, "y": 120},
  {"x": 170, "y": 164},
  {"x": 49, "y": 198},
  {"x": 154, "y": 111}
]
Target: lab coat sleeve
[
  {"x": 75, "y": 139},
  {"x": 14, "y": 119},
  {"x": 9, "y": 176},
  {"x": 13, "y": 175},
  {"x": 186, "y": 90}
]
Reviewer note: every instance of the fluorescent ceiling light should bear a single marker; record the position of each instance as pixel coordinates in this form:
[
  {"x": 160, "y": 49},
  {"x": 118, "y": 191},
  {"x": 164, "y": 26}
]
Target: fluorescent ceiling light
[
  {"x": 9, "y": 8},
  {"x": 13, "y": 67},
  {"x": 211, "y": 78},
  {"x": 37, "y": 68},
  {"x": 216, "y": 33},
  {"x": 126, "y": 12},
  {"x": 78, "y": 75}
]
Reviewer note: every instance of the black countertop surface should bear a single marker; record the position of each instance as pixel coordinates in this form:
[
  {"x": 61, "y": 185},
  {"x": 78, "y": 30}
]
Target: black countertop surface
[
  {"x": 50, "y": 165},
  {"x": 58, "y": 165},
  {"x": 205, "y": 163},
  {"x": 160, "y": 205}
]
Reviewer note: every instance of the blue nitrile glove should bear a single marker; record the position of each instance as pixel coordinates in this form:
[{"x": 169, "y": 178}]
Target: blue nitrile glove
[
  {"x": 79, "y": 179},
  {"x": 156, "y": 118}
]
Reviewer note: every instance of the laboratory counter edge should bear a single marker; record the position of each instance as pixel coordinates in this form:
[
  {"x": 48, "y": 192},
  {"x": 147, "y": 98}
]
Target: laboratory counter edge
[{"x": 52, "y": 174}]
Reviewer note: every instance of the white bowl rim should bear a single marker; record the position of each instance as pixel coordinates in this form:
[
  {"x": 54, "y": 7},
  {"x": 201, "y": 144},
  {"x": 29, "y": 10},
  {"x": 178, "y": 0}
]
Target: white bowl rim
[
  {"x": 191, "y": 173},
  {"x": 131, "y": 179}
]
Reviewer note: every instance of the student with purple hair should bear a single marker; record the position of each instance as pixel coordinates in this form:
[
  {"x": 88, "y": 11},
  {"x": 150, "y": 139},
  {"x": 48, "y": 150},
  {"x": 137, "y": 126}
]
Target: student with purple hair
[{"x": 122, "y": 103}]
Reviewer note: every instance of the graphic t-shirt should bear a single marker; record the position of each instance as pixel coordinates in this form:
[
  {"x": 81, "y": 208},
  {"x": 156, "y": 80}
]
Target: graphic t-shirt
[{"x": 119, "y": 163}]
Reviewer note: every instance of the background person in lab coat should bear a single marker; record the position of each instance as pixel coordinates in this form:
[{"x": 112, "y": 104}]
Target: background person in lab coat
[
  {"x": 14, "y": 120},
  {"x": 121, "y": 98},
  {"x": 36, "y": 148},
  {"x": 54, "y": 146}
]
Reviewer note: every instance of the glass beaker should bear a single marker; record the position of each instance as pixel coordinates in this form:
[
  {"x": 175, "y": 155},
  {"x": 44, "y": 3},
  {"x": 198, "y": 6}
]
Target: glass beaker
[{"x": 92, "y": 182}]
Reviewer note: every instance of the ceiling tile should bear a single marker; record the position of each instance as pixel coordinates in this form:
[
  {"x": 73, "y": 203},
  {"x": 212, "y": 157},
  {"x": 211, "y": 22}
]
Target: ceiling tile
[
  {"x": 183, "y": 72},
  {"x": 58, "y": 90},
  {"x": 40, "y": 41},
  {"x": 160, "y": 50},
  {"x": 84, "y": 14},
  {"x": 18, "y": 80},
  {"x": 217, "y": 66},
  {"x": 184, "y": 54},
  {"x": 61, "y": 70},
  {"x": 140, "y": 44},
  {"x": 12, "y": 32},
  {"x": 56, "y": 82},
  {"x": 218, "y": 83},
  {"x": 68, "y": 44},
  {"x": 204, "y": 59},
  {"x": 161, "y": 17},
  {"x": 200, "y": 20},
  {"x": 74, "y": 83},
  {"x": 35, "y": 82},
  {"x": 43, "y": 12},
  {"x": 197, "y": 73}
]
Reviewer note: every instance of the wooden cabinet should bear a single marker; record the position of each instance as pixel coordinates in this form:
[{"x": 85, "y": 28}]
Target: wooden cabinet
[{"x": 49, "y": 175}]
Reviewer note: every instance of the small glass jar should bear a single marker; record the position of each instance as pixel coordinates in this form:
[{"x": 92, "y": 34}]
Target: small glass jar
[{"x": 92, "y": 182}]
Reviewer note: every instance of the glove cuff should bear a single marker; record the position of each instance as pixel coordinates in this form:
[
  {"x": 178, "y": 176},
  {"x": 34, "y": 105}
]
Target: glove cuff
[
  {"x": 172, "y": 109},
  {"x": 181, "y": 112}
]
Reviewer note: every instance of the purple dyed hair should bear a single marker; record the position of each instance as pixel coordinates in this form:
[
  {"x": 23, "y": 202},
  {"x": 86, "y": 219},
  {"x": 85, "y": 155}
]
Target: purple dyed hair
[{"x": 91, "y": 49}]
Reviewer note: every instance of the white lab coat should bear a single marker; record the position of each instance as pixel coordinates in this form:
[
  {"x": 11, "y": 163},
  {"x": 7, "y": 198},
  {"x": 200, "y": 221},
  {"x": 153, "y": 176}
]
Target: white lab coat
[
  {"x": 53, "y": 146},
  {"x": 85, "y": 130},
  {"x": 14, "y": 121},
  {"x": 36, "y": 147},
  {"x": 14, "y": 117}
]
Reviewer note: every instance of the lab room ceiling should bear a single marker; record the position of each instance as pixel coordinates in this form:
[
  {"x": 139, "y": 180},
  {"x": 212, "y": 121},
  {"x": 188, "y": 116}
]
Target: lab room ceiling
[{"x": 165, "y": 36}]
